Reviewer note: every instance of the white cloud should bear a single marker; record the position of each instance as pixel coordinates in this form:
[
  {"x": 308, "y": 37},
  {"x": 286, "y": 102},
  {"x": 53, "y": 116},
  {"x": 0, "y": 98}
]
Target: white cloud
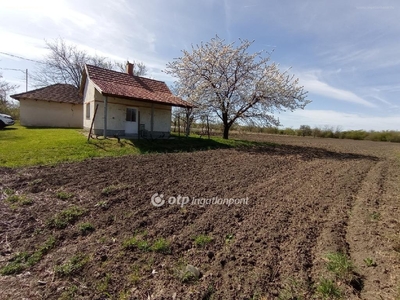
[
  {"x": 58, "y": 11},
  {"x": 314, "y": 85},
  {"x": 21, "y": 45}
]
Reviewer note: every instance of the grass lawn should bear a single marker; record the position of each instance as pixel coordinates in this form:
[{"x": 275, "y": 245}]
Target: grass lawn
[{"x": 21, "y": 146}]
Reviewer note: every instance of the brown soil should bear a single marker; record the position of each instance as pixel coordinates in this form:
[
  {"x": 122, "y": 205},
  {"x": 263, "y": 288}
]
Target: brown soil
[{"x": 306, "y": 198}]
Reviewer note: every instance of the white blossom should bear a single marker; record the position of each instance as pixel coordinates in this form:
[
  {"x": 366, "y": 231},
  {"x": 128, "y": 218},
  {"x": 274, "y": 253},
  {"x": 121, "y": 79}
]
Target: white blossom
[{"x": 229, "y": 82}]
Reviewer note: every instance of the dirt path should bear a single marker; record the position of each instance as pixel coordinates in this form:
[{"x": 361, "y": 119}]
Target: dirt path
[{"x": 305, "y": 200}]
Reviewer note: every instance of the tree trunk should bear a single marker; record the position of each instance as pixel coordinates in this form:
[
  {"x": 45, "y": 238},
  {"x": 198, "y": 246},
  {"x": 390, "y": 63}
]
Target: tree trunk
[
  {"x": 226, "y": 131},
  {"x": 227, "y": 125}
]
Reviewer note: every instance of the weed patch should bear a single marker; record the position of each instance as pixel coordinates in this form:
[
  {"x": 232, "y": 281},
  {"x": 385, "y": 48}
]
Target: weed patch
[
  {"x": 369, "y": 262},
  {"x": 162, "y": 246},
  {"x": 328, "y": 289},
  {"x": 66, "y": 217},
  {"x": 112, "y": 189},
  {"x": 64, "y": 195},
  {"x": 340, "y": 265},
  {"x": 292, "y": 289},
  {"x": 73, "y": 266},
  {"x": 19, "y": 200},
  {"x": 202, "y": 240},
  {"x": 86, "y": 228},
  {"x": 24, "y": 260}
]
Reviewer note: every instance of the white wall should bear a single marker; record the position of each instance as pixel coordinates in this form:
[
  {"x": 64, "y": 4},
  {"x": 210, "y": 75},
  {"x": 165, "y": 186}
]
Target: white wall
[
  {"x": 50, "y": 114},
  {"x": 88, "y": 97},
  {"x": 116, "y": 112}
]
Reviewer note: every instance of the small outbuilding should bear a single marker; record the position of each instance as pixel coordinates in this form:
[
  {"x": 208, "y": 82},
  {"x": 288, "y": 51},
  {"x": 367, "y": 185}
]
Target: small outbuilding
[{"x": 57, "y": 105}]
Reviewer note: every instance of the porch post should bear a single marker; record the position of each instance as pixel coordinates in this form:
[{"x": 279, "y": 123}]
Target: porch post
[
  {"x": 152, "y": 119},
  {"x": 105, "y": 116}
]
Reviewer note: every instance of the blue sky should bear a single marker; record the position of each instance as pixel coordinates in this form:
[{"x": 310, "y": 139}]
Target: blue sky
[{"x": 345, "y": 52}]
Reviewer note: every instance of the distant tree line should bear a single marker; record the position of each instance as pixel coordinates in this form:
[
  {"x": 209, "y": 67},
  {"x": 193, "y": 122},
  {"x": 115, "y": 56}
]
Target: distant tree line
[
  {"x": 216, "y": 127},
  {"x": 329, "y": 132}
]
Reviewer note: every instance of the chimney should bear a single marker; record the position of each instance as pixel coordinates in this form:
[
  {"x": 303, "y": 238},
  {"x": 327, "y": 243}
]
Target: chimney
[{"x": 129, "y": 68}]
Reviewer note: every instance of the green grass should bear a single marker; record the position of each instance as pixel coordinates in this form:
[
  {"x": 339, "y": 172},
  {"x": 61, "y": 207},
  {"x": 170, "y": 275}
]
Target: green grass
[{"x": 21, "y": 146}]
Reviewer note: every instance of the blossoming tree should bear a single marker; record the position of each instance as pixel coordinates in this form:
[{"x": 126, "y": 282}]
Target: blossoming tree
[{"x": 234, "y": 85}]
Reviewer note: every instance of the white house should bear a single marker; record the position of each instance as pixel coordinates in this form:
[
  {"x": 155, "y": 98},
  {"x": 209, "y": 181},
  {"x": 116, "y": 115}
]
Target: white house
[{"x": 127, "y": 105}]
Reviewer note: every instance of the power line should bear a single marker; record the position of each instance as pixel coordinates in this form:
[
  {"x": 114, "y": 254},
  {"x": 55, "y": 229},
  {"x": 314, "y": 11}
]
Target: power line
[
  {"x": 24, "y": 58},
  {"x": 10, "y": 69}
]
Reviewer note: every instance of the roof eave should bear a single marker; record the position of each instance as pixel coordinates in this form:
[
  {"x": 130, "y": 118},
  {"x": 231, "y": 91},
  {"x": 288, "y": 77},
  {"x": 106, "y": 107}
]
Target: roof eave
[
  {"x": 48, "y": 100},
  {"x": 145, "y": 100}
]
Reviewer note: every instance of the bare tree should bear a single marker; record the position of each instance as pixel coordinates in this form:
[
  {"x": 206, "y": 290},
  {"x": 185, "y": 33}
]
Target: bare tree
[
  {"x": 139, "y": 68},
  {"x": 6, "y": 106},
  {"x": 235, "y": 85},
  {"x": 6, "y": 89},
  {"x": 65, "y": 63}
]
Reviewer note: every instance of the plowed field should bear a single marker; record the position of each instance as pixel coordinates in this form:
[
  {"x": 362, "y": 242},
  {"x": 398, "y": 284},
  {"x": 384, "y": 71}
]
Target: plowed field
[{"x": 306, "y": 198}]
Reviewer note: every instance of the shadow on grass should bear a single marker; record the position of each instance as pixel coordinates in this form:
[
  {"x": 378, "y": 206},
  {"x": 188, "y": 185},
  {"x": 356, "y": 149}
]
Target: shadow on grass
[
  {"x": 307, "y": 153},
  {"x": 8, "y": 128},
  {"x": 179, "y": 144},
  {"x": 48, "y": 127},
  {"x": 191, "y": 144}
]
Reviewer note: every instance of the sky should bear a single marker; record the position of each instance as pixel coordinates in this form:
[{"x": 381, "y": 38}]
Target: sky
[{"x": 346, "y": 53}]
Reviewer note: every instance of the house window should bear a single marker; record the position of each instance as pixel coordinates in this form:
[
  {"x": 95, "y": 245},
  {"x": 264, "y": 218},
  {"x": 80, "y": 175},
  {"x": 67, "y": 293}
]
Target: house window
[
  {"x": 88, "y": 111},
  {"x": 131, "y": 114}
]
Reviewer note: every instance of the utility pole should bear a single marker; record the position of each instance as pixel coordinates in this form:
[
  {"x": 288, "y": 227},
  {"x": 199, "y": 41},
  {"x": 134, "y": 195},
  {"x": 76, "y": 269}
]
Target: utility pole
[{"x": 24, "y": 71}]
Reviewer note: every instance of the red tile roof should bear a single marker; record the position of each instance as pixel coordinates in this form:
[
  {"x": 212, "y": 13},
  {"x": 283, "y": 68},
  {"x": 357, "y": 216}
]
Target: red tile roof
[
  {"x": 123, "y": 85},
  {"x": 64, "y": 93}
]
